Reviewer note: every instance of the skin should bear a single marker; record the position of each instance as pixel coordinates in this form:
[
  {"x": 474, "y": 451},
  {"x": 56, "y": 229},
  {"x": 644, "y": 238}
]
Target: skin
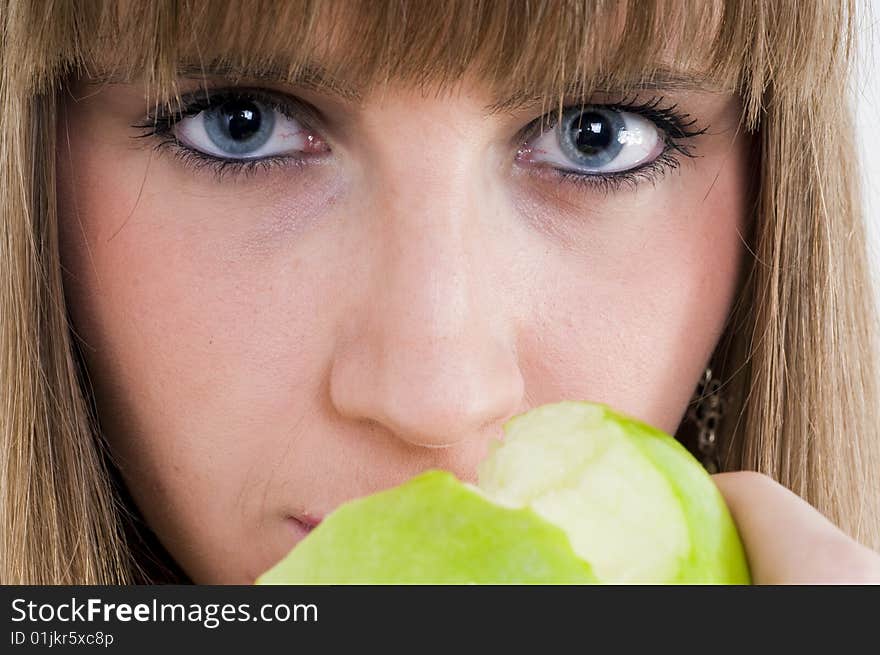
[
  {"x": 787, "y": 541},
  {"x": 272, "y": 346}
]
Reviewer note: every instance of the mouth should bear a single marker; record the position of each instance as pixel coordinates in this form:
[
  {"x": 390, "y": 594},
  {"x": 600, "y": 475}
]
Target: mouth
[{"x": 303, "y": 524}]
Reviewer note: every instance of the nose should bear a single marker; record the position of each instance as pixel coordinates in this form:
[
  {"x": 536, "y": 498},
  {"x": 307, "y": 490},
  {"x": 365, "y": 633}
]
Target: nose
[{"x": 429, "y": 354}]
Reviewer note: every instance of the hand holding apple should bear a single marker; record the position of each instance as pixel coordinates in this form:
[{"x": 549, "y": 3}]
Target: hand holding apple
[{"x": 788, "y": 541}]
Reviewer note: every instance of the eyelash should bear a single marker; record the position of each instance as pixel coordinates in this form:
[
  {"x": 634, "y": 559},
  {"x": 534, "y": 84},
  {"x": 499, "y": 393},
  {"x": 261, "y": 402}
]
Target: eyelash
[
  {"x": 677, "y": 129},
  {"x": 162, "y": 123}
]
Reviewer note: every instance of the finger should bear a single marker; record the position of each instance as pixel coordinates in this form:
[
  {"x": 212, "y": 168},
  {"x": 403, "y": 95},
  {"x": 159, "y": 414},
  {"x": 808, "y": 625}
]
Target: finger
[{"x": 787, "y": 541}]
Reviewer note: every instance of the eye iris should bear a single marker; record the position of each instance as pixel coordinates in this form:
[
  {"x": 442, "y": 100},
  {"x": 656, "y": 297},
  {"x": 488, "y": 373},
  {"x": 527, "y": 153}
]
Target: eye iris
[
  {"x": 240, "y": 126},
  {"x": 591, "y": 137}
]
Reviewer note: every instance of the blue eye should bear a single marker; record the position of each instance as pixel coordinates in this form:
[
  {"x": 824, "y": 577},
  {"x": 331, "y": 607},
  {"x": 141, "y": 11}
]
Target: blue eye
[
  {"x": 243, "y": 127},
  {"x": 598, "y": 140}
]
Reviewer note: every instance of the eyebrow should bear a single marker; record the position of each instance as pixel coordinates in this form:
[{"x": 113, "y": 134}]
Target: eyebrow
[
  {"x": 663, "y": 79},
  {"x": 308, "y": 76},
  {"x": 316, "y": 78}
]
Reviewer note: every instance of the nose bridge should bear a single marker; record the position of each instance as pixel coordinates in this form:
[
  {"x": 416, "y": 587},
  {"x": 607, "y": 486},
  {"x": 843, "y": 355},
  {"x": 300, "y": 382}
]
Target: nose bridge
[
  {"x": 432, "y": 301},
  {"x": 432, "y": 230},
  {"x": 430, "y": 199},
  {"x": 427, "y": 358}
]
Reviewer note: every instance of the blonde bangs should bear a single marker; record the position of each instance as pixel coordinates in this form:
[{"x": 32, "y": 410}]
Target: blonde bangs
[{"x": 523, "y": 50}]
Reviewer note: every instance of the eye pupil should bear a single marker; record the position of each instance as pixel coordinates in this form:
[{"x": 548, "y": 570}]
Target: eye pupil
[
  {"x": 592, "y": 133},
  {"x": 242, "y": 119}
]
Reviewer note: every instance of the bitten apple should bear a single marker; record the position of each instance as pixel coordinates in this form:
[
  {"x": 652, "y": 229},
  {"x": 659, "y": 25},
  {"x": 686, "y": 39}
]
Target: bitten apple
[{"x": 575, "y": 493}]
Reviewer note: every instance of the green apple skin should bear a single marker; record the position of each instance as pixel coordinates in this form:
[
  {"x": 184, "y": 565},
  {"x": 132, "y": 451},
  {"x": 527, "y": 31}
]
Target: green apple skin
[
  {"x": 576, "y": 493},
  {"x": 632, "y": 500},
  {"x": 716, "y": 554},
  {"x": 432, "y": 529}
]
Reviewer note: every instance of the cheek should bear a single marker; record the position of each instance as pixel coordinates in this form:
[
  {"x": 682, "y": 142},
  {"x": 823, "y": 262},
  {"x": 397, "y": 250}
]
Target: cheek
[
  {"x": 200, "y": 338},
  {"x": 645, "y": 282}
]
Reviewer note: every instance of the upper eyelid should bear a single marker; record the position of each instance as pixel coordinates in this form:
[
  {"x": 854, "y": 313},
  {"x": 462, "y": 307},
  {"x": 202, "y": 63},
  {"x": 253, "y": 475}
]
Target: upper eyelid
[
  {"x": 676, "y": 120},
  {"x": 291, "y": 106}
]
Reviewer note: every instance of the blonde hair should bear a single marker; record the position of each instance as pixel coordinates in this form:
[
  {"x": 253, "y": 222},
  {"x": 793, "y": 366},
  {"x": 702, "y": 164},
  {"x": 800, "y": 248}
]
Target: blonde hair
[{"x": 798, "y": 357}]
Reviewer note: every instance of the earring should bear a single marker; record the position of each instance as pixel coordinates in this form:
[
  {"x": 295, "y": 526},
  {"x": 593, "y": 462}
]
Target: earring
[{"x": 706, "y": 409}]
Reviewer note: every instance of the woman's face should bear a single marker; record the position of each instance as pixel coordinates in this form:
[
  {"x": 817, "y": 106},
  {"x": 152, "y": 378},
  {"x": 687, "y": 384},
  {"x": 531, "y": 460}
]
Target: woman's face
[{"x": 412, "y": 273}]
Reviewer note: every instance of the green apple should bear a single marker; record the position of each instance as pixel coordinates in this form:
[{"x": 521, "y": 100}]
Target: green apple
[
  {"x": 431, "y": 529},
  {"x": 575, "y": 493}
]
